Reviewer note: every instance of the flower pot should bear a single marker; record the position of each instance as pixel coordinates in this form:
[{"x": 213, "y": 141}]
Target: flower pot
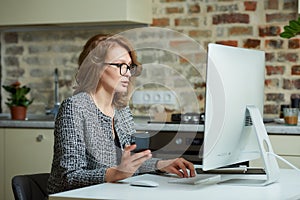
[{"x": 18, "y": 112}]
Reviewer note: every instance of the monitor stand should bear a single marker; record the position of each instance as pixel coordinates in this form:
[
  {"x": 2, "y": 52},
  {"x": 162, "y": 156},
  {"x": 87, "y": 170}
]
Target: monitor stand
[{"x": 247, "y": 176}]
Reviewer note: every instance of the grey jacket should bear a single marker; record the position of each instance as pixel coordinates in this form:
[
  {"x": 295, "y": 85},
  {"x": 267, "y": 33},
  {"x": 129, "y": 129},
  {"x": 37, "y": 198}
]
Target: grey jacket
[{"x": 84, "y": 146}]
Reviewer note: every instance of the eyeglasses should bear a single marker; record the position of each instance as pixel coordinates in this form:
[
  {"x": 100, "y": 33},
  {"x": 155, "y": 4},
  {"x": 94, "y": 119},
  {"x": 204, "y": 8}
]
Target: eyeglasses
[{"x": 124, "y": 68}]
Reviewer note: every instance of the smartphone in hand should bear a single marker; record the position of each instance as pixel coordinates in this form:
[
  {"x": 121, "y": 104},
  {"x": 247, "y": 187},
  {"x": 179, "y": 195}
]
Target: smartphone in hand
[{"x": 142, "y": 141}]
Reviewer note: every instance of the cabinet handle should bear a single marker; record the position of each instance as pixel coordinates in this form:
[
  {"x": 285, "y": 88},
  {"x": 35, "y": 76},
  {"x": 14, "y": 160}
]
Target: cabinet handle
[{"x": 39, "y": 138}]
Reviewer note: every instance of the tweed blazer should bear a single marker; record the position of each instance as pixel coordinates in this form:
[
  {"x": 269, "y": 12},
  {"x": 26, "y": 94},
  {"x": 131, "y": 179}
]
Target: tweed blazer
[{"x": 84, "y": 146}]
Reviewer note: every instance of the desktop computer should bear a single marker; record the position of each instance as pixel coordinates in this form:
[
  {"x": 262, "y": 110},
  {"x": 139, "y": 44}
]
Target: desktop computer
[{"x": 234, "y": 130}]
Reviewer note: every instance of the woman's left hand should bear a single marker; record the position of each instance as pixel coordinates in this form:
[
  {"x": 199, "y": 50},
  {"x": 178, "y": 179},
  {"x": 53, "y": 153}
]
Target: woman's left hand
[{"x": 178, "y": 166}]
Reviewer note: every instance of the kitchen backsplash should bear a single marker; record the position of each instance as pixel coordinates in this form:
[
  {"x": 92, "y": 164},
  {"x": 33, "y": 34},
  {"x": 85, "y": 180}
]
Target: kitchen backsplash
[{"x": 31, "y": 56}]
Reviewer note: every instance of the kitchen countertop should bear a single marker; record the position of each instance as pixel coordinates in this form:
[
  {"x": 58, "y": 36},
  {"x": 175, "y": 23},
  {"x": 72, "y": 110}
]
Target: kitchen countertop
[{"x": 46, "y": 122}]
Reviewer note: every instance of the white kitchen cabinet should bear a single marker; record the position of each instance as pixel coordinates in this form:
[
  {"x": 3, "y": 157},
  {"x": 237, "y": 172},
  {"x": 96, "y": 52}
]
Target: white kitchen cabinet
[
  {"x": 286, "y": 146},
  {"x": 67, "y": 12},
  {"x": 26, "y": 151}
]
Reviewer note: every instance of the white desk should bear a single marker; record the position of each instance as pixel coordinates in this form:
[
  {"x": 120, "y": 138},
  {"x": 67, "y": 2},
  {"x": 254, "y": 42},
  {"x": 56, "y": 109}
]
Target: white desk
[{"x": 286, "y": 188}]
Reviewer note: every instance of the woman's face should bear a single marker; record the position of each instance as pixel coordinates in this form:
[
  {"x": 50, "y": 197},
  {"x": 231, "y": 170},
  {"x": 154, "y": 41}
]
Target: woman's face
[{"x": 111, "y": 79}]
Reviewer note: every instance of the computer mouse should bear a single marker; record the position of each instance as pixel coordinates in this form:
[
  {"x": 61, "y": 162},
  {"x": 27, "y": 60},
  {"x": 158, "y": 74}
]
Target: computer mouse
[{"x": 144, "y": 183}]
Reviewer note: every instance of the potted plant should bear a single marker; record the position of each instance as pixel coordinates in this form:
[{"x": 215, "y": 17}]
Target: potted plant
[
  {"x": 292, "y": 29},
  {"x": 17, "y": 101}
]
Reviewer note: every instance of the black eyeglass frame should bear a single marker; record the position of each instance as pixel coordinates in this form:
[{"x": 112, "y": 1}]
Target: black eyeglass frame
[{"x": 132, "y": 67}]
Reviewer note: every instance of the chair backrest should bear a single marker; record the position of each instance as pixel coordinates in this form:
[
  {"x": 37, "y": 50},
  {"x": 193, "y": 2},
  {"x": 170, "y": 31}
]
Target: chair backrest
[{"x": 30, "y": 187}]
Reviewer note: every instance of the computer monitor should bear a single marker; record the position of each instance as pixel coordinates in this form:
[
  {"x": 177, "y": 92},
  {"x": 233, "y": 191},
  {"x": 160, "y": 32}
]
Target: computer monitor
[{"x": 234, "y": 130}]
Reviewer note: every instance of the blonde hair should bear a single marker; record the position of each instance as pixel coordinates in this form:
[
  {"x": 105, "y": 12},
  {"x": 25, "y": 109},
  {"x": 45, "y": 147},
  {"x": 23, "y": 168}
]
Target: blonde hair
[{"x": 91, "y": 65}]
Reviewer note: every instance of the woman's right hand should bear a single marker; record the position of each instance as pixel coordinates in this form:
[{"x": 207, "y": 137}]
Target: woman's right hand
[{"x": 129, "y": 164}]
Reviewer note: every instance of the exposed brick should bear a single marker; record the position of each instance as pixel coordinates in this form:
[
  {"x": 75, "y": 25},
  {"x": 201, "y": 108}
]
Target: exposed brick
[
  {"x": 187, "y": 22},
  {"x": 200, "y": 33},
  {"x": 233, "y": 43},
  {"x": 252, "y": 24},
  {"x": 65, "y": 48},
  {"x": 295, "y": 96},
  {"x": 273, "y": 44},
  {"x": 38, "y": 61},
  {"x": 15, "y": 72},
  {"x": 183, "y": 60},
  {"x": 252, "y": 43},
  {"x": 271, "y": 109},
  {"x": 269, "y": 31},
  {"x": 280, "y": 17},
  {"x": 225, "y": 8},
  {"x": 271, "y": 4},
  {"x": 291, "y": 57},
  {"x": 11, "y": 37},
  {"x": 11, "y": 61},
  {"x": 171, "y": 1},
  {"x": 161, "y": 22},
  {"x": 237, "y": 30},
  {"x": 209, "y": 8},
  {"x": 183, "y": 45},
  {"x": 272, "y": 83},
  {"x": 60, "y": 60},
  {"x": 290, "y": 4},
  {"x": 270, "y": 56},
  {"x": 38, "y": 49},
  {"x": 69, "y": 36},
  {"x": 195, "y": 8},
  {"x": 194, "y": 58},
  {"x": 171, "y": 10},
  {"x": 287, "y": 84},
  {"x": 296, "y": 70},
  {"x": 296, "y": 83},
  {"x": 271, "y": 70},
  {"x": 37, "y": 72},
  {"x": 15, "y": 50},
  {"x": 277, "y": 97},
  {"x": 231, "y": 18},
  {"x": 44, "y": 85},
  {"x": 200, "y": 57},
  {"x": 67, "y": 83},
  {"x": 250, "y": 5},
  {"x": 33, "y": 37},
  {"x": 294, "y": 43}
]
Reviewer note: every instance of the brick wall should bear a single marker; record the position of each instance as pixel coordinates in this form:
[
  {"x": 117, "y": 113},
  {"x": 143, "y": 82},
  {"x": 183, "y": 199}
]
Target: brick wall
[
  {"x": 32, "y": 56},
  {"x": 242, "y": 23}
]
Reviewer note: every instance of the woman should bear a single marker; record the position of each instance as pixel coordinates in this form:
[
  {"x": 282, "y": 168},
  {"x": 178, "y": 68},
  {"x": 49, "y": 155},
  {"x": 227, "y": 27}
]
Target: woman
[{"x": 93, "y": 127}]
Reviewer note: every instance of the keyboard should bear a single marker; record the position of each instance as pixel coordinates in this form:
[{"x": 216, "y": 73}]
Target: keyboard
[{"x": 198, "y": 179}]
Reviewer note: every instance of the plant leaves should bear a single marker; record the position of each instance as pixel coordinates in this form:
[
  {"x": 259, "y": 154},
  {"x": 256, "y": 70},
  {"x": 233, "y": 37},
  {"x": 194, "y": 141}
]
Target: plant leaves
[
  {"x": 286, "y": 35},
  {"x": 17, "y": 95},
  {"x": 291, "y": 30},
  {"x": 288, "y": 29},
  {"x": 294, "y": 25}
]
